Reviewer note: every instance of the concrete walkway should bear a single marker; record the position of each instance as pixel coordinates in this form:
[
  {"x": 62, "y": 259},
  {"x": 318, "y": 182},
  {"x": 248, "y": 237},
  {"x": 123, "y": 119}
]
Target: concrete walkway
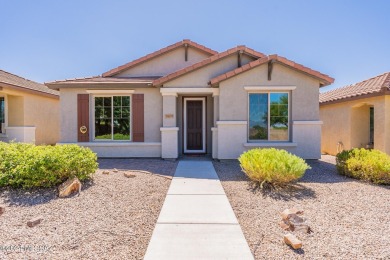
[{"x": 196, "y": 220}]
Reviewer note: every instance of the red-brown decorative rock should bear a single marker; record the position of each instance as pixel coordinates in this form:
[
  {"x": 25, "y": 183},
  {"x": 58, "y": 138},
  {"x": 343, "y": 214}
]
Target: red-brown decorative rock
[
  {"x": 292, "y": 241},
  {"x": 69, "y": 187},
  {"x": 35, "y": 221}
]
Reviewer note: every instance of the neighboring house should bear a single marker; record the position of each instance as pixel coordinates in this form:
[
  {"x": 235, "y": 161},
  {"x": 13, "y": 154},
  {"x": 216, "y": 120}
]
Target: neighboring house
[
  {"x": 357, "y": 116},
  {"x": 187, "y": 98},
  {"x": 29, "y": 111}
]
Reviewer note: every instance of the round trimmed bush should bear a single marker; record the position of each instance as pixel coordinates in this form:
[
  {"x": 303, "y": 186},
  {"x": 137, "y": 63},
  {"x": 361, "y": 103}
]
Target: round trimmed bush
[
  {"x": 363, "y": 164},
  {"x": 272, "y": 166},
  {"x": 27, "y": 165}
]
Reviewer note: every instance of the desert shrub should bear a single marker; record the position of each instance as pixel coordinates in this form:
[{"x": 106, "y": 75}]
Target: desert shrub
[
  {"x": 363, "y": 164},
  {"x": 272, "y": 166},
  {"x": 27, "y": 165}
]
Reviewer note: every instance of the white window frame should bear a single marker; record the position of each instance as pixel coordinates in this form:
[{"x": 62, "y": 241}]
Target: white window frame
[
  {"x": 92, "y": 102},
  {"x": 203, "y": 99},
  {"x": 269, "y": 92}
]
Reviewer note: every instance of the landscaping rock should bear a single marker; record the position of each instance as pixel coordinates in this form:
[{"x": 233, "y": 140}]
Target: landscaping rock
[
  {"x": 69, "y": 187},
  {"x": 284, "y": 225},
  {"x": 106, "y": 172},
  {"x": 2, "y": 209},
  {"x": 292, "y": 241},
  {"x": 297, "y": 223},
  {"x": 35, "y": 221},
  {"x": 129, "y": 174},
  {"x": 115, "y": 170},
  {"x": 293, "y": 222},
  {"x": 288, "y": 212}
]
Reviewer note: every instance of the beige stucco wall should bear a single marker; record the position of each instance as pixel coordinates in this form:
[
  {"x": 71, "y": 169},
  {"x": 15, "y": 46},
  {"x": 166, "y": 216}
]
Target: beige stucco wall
[
  {"x": 15, "y": 110},
  {"x": 152, "y": 117},
  {"x": 348, "y": 123},
  {"x": 166, "y": 63},
  {"x": 201, "y": 77},
  {"x": 43, "y": 113},
  {"x": 233, "y": 107},
  {"x": 32, "y": 110}
]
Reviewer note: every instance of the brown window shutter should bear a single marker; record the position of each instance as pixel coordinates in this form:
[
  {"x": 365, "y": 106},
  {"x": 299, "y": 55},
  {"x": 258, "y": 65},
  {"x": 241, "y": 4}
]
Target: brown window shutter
[
  {"x": 83, "y": 117},
  {"x": 138, "y": 117}
]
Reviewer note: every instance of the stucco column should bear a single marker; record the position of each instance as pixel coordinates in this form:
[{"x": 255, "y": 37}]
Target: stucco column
[
  {"x": 169, "y": 130},
  {"x": 214, "y": 130},
  {"x": 216, "y": 108},
  {"x": 169, "y": 109}
]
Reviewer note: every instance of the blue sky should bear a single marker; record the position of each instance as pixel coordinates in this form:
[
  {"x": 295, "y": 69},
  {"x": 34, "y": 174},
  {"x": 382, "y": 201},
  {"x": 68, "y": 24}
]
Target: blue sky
[{"x": 49, "y": 40}]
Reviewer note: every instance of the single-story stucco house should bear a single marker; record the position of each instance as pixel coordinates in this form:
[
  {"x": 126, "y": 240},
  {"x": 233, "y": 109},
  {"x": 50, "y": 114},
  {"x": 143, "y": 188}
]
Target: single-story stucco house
[
  {"x": 357, "y": 116},
  {"x": 29, "y": 111},
  {"x": 189, "y": 99}
]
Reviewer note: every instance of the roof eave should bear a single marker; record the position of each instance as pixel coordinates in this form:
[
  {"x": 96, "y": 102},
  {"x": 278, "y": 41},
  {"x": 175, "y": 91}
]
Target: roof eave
[
  {"x": 99, "y": 85},
  {"x": 28, "y": 90},
  {"x": 356, "y": 97}
]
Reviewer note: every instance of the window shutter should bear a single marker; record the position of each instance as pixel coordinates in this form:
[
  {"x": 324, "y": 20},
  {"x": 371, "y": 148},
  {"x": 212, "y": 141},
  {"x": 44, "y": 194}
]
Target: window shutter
[
  {"x": 138, "y": 117},
  {"x": 83, "y": 117}
]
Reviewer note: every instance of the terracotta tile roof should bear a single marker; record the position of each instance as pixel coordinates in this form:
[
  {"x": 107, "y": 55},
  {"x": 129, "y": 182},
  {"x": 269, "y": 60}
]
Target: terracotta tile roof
[
  {"x": 207, "y": 61},
  {"x": 12, "y": 80},
  {"x": 325, "y": 79},
  {"x": 156, "y": 54},
  {"x": 99, "y": 79},
  {"x": 376, "y": 84}
]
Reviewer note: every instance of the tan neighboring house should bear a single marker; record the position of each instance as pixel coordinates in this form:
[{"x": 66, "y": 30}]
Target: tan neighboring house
[
  {"x": 357, "y": 116},
  {"x": 189, "y": 99},
  {"x": 29, "y": 111}
]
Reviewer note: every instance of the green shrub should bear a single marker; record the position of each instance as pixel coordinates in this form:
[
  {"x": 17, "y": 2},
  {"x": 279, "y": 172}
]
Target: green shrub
[
  {"x": 363, "y": 164},
  {"x": 27, "y": 165},
  {"x": 272, "y": 166}
]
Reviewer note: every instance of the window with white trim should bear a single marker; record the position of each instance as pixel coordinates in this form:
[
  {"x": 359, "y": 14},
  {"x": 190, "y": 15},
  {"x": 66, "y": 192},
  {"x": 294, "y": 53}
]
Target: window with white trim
[
  {"x": 268, "y": 116},
  {"x": 112, "y": 117}
]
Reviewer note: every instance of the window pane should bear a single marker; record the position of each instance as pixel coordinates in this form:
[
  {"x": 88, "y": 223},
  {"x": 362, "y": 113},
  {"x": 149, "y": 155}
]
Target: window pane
[
  {"x": 107, "y": 112},
  {"x": 99, "y": 112},
  {"x": 126, "y": 101},
  {"x": 117, "y": 112},
  {"x": 98, "y": 101},
  {"x": 279, "y": 117},
  {"x": 125, "y": 112},
  {"x": 107, "y": 101},
  {"x": 117, "y": 101},
  {"x": 103, "y": 118},
  {"x": 103, "y": 129},
  {"x": 258, "y": 116},
  {"x": 122, "y": 129}
]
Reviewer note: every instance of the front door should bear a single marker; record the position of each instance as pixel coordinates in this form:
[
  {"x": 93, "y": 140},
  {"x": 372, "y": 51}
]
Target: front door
[{"x": 194, "y": 125}]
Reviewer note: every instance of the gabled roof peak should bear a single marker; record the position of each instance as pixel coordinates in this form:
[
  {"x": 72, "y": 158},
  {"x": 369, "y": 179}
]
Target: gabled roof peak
[
  {"x": 207, "y": 61},
  {"x": 158, "y": 53}
]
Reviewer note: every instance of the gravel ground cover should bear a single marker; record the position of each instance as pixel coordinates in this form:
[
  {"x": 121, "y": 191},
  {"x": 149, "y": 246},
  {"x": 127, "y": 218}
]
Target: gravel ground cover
[
  {"x": 350, "y": 219},
  {"x": 112, "y": 218}
]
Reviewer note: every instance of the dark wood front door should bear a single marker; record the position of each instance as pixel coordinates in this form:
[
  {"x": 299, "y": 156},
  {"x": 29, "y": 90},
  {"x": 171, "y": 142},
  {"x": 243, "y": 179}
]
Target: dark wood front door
[{"x": 194, "y": 133}]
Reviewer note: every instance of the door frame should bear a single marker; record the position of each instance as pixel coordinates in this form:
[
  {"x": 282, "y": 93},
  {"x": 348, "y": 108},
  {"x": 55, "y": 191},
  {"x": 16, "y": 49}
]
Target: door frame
[{"x": 203, "y": 99}]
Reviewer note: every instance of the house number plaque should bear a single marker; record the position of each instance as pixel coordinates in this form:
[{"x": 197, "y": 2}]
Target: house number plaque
[
  {"x": 83, "y": 129},
  {"x": 168, "y": 115}
]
